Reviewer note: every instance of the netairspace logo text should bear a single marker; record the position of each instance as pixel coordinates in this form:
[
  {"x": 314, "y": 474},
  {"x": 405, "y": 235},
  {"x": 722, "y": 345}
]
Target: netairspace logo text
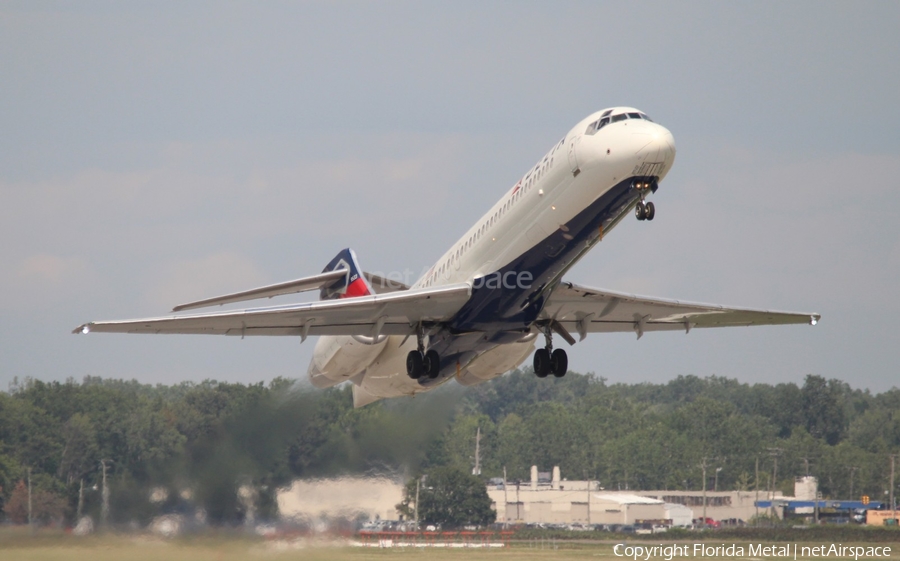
[{"x": 759, "y": 550}]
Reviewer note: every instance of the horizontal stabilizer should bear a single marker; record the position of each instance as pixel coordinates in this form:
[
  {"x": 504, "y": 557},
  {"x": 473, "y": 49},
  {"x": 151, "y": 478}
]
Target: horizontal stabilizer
[
  {"x": 382, "y": 285},
  {"x": 314, "y": 282}
]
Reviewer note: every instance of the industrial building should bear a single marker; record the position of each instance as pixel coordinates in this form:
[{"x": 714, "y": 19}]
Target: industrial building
[{"x": 549, "y": 499}]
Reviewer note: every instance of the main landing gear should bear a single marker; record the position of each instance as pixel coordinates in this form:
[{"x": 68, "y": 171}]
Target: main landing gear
[
  {"x": 549, "y": 361},
  {"x": 420, "y": 363}
]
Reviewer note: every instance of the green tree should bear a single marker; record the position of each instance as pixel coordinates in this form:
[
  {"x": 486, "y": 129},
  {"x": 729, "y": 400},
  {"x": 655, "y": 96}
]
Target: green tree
[
  {"x": 459, "y": 444},
  {"x": 514, "y": 450},
  {"x": 450, "y": 498},
  {"x": 46, "y": 506},
  {"x": 823, "y": 409},
  {"x": 80, "y": 452}
]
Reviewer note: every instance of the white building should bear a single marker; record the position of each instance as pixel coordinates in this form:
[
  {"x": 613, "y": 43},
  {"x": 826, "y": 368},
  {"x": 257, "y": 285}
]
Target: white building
[
  {"x": 549, "y": 499},
  {"x": 347, "y": 498}
]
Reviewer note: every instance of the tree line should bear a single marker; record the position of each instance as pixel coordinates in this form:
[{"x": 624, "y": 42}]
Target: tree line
[{"x": 190, "y": 447}]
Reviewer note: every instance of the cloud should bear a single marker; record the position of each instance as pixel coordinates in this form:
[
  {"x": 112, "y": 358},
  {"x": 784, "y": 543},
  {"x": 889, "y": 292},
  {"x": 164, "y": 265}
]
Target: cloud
[
  {"x": 44, "y": 281},
  {"x": 51, "y": 269},
  {"x": 212, "y": 275}
]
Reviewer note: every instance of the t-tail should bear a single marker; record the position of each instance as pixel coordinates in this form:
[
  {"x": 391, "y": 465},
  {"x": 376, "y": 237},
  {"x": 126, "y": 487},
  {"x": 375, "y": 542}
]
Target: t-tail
[{"x": 353, "y": 284}]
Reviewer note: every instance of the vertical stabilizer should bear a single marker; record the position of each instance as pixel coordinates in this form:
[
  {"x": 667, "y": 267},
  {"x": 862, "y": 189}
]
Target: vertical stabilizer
[{"x": 354, "y": 284}]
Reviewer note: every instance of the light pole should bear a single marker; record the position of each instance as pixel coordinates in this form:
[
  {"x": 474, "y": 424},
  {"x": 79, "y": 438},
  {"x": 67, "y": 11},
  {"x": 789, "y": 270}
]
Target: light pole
[{"x": 716, "y": 488}]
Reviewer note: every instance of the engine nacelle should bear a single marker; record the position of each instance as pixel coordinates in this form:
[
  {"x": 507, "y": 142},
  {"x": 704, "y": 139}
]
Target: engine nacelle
[
  {"x": 339, "y": 358},
  {"x": 495, "y": 362}
]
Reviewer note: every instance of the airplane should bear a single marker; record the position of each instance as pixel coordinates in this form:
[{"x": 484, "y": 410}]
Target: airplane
[{"x": 480, "y": 310}]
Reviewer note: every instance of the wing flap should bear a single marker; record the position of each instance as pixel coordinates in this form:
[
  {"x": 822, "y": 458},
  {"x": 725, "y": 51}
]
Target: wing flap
[{"x": 348, "y": 316}]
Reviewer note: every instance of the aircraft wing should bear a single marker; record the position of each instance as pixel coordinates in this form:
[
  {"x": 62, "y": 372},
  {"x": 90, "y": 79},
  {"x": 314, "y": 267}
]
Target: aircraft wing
[
  {"x": 391, "y": 313},
  {"x": 589, "y": 310}
]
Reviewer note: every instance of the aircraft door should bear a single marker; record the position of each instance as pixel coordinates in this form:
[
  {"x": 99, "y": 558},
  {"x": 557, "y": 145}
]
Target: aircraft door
[{"x": 573, "y": 159}]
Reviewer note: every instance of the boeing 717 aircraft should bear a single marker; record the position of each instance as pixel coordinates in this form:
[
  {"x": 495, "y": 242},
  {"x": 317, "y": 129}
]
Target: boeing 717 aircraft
[{"x": 498, "y": 291}]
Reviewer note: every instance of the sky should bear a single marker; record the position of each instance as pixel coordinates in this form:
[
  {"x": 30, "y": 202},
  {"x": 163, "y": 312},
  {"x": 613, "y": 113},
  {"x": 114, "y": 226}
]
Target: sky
[{"x": 156, "y": 153}]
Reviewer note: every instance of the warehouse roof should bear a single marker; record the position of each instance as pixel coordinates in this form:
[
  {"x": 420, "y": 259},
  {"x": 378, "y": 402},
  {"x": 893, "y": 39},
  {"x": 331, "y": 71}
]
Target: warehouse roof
[{"x": 627, "y": 499}]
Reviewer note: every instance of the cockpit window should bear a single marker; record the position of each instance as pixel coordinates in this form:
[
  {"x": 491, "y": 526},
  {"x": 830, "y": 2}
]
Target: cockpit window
[
  {"x": 606, "y": 113},
  {"x": 597, "y": 125}
]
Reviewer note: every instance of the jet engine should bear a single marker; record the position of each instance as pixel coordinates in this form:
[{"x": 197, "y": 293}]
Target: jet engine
[
  {"x": 495, "y": 362},
  {"x": 339, "y": 358}
]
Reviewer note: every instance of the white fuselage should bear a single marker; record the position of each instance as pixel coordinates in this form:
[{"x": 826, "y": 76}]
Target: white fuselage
[{"x": 569, "y": 179}]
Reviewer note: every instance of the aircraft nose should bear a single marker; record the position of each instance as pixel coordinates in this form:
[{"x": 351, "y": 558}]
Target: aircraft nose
[{"x": 660, "y": 146}]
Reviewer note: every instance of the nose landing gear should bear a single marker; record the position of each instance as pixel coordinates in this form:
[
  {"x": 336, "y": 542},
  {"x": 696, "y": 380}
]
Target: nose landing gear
[
  {"x": 644, "y": 210},
  {"x": 550, "y": 361}
]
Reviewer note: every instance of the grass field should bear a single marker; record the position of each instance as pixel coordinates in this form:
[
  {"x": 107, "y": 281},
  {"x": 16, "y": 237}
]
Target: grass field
[
  {"x": 52, "y": 547},
  {"x": 118, "y": 548}
]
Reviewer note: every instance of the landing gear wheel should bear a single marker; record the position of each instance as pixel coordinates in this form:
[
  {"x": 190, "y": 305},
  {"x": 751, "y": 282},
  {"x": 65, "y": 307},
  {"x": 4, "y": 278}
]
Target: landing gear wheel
[
  {"x": 414, "y": 365},
  {"x": 640, "y": 211},
  {"x": 649, "y": 211},
  {"x": 559, "y": 363},
  {"x": 542, "y": 363},
  {"x": 432, "y": 364}
]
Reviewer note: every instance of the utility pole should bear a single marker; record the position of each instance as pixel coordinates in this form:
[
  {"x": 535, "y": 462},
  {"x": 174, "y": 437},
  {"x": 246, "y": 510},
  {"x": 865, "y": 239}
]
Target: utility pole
[
  {"x": 756, "y": 503},
  {"x": 31, "y": 528},
  {"x": 893, "y": 506},
  {"x": 418, "y": 482},
  {"x": 104, "y": 494},
  {"x": 518, "y": 514},
  {"x": 80, "y": 500},
  {"x": 774, "y": 452},
  {"x": 703, "y": 467},
  {"x": 505, "y": 502},
  {"x": 477, "y": 470},
  {"x": 586, "y": 480}
]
